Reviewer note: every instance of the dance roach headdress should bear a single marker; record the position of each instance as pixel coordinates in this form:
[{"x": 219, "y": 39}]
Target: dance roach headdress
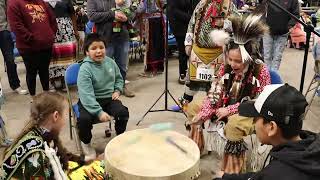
[
  {"x": 246, "y": 33},
  {"x": 248, "y": 30}
]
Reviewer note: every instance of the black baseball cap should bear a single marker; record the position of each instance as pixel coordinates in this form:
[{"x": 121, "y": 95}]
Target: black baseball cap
[{"x": 281, "y": 103}]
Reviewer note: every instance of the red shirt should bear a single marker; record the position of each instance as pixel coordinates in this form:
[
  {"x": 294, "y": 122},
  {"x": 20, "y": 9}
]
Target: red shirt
[{"x": 33, "y": 23}]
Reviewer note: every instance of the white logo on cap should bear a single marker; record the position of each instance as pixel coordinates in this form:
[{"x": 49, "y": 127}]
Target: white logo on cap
[{"x": 270, "y": 113}]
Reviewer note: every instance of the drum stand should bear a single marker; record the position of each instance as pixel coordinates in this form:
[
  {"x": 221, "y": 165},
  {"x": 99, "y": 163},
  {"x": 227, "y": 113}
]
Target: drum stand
[{"x": 166, "y": 90}]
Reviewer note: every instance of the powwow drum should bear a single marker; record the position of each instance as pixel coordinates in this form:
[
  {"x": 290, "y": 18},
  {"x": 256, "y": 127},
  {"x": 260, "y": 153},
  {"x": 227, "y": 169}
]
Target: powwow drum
[{"x": 144, "y": 155}]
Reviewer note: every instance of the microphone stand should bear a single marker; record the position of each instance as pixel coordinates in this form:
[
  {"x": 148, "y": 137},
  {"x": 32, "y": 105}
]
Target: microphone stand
[
  {"x": 308, "y": 28},
  {"x": 166, "y": 91}
]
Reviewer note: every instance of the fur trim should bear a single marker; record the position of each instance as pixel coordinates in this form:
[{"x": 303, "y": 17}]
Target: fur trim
[{"x": 219, "y": 37}]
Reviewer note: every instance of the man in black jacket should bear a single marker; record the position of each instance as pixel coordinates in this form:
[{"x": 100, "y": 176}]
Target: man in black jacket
[
  {"x": 179, "y": 14},
  {"x": 280, "y": 24},
  {"x": 278, "y": 113}
]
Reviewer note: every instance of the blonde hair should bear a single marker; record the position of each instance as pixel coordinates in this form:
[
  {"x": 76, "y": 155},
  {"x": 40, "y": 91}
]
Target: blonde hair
[{"x": 42, "y": 106}]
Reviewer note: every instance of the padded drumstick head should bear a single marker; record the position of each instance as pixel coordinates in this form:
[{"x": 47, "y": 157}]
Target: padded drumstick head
[{"x": 161, "y": 127}]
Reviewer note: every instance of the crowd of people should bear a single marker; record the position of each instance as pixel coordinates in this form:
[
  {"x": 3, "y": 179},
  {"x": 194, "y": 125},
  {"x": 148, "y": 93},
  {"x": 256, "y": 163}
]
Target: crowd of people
[{"x": 222, "y": 52}]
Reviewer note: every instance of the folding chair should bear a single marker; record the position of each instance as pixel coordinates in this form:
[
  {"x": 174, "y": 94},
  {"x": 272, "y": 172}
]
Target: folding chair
[
  {"x": 313, "y": 86},
  {"x": 71, "y": 77},
  {"x": 315, "y": 82}
]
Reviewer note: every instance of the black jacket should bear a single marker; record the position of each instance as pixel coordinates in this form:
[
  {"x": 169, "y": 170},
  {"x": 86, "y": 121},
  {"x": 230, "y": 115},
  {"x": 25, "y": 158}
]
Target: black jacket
[
  {"x": 291, "y": 161},
  {"x": 179, "y": 14},
  {"x": 278, "y": 21}
]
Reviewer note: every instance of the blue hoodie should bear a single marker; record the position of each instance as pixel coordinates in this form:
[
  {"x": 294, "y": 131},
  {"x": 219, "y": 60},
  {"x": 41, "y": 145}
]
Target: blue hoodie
[{"x": 98, "y": 81}]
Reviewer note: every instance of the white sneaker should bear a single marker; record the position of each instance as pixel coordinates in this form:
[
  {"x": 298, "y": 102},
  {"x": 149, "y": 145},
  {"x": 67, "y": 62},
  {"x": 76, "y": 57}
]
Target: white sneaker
[
  {"x": 89, "y": 152},
  {"x": 126, "y": 82},
  {"x": 21, "y": 91}
]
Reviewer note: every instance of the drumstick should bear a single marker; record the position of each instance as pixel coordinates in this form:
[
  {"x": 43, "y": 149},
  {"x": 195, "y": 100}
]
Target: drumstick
[
  {"x": 169, "y": 140},
  {"x": 183, "y": 150}
]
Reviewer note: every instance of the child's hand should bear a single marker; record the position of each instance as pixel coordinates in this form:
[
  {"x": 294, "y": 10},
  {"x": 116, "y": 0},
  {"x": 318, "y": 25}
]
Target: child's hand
[
  {"x": 222, "y": 113},
  {"x": 104, "y": 117},
  {"x": 120, "y": 16},
  {"x": 196, "y": 120},
  {"x": 115, "y": 95},
  {"x": 119, "y": 2}
]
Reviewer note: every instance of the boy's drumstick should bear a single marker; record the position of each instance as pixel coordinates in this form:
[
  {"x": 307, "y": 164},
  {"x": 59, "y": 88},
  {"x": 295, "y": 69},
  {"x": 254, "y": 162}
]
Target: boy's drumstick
[{"x": 169, "y": 140}]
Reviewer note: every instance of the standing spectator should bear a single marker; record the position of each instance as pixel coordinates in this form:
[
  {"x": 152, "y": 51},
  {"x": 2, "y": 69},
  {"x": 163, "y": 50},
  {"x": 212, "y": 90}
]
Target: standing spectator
[
  {"x": 82, "y": 20},
  {"x": 101, "y": 13},
  {"x": 65, "y": 46},
  {"x": 153, "y": 30},
  {"x": 280, "y": 24},
  {"x": 204, "y": 52},
  {"x": 4, "y": 140},
  {"x": 6, "y": 46},
  {"x": 179, "y": 14},
  {"x": 34, "y": 25}
]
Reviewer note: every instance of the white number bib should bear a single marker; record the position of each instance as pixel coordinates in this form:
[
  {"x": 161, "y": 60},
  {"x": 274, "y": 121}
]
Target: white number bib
[{"x": 205, "y": 74}]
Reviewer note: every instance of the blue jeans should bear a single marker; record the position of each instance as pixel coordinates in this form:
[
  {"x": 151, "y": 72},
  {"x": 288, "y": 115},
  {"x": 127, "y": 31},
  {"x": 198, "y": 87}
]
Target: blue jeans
[
  {"x": 7, "y": 46},
  {"x": 119, "y": 51},
  {"x": 273, "y": 47}
]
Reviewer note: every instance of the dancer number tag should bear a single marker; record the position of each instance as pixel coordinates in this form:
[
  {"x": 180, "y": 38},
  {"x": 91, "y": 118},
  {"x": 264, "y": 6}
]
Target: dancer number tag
[{"x": 204, "y": 74}]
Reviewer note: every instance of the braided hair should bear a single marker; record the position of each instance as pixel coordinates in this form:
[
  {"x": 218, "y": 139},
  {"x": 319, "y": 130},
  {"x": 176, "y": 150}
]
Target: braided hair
[{"x": 42, "y": 107}]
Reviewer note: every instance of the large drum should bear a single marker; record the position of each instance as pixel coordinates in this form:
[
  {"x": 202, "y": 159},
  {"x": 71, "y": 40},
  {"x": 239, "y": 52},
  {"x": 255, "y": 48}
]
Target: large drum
[{"x": 144, "y": 155}]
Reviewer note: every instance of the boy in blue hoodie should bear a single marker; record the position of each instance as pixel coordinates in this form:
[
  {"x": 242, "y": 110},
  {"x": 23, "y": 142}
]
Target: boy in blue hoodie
[{"x": 100, "y": 85}]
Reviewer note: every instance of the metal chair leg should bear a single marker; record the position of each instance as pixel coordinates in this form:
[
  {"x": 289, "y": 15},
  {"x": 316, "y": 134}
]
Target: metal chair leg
[
  {"x": 314, "y": 89},
  {"x": 312, "y": 81},
  {"x": 70, "y": 123},
  {"x": 309, "y": 103},
  {"x": 77, "y": 140},
  {"x": 75, "y": 132}
]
